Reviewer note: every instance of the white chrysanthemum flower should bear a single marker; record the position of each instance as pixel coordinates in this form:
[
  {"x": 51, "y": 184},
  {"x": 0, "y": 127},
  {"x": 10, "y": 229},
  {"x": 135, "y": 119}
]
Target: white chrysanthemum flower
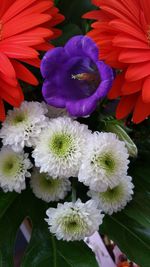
[
  {"x": 13, "y": 170},
  {"x": 60, "y": 146},
  {"x": 74, "y": 221},
  {"x": 23, "y": 125},
  {"x": 115, "y": 199},
  {"x": 105, "y": 161},
  {"x": 47, "y": 188}
]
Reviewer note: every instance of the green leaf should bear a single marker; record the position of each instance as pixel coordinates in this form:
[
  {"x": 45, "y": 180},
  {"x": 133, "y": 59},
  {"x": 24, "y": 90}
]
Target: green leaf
[
  {"x": 133, "y": 239},
  {"x": 73, "y": 10},
  {"x": 9, "y": 225},
  {"x": 43, "y": 249},
  {"x": 76, "y": 254},
  {"x": 130, "y": 229},
  {"x": 114, "y": 126},
  {"x": 69, "y": 31},
  {"x": 6, "y": 200}
]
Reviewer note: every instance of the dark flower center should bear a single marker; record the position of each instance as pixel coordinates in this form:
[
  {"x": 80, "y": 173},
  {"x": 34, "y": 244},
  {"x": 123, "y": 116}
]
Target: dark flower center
[
  {"x": 85, "y": 77},
  {"x": 89, "y": 77}
]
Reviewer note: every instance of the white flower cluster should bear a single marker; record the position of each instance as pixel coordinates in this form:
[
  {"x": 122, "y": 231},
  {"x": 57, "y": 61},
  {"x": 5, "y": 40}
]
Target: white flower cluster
[
  {"x": 104, "y": 169},
  {"x": 64, "y": 148}
]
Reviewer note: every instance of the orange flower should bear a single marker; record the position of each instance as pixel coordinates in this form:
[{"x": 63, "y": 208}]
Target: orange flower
[
  {"x": 25, "y": 27},
  {"x": 122, "y": 32}
]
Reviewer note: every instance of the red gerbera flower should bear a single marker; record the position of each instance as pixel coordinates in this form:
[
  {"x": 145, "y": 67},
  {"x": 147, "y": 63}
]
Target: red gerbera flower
[
  {"x": 25, "y": 27},
  {"x": 122, "y": 33}
]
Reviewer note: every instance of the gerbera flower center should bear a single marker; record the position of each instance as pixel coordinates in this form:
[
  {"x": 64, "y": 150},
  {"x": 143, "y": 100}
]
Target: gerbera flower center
[{"x": 61, "y": 144}]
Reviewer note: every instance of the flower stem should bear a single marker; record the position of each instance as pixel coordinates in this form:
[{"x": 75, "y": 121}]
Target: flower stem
[
  {"x": 54, "y": 251},
  {"x": 74, "y": 195}
]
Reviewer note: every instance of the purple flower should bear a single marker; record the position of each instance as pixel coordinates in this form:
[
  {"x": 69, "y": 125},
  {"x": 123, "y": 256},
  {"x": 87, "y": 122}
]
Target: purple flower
[{"x": 75, "y": 78}]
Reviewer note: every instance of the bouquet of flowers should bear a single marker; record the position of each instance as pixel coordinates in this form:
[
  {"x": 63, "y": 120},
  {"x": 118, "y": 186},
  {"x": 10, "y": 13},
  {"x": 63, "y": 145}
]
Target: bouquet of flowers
[{"x": 75, "y": 129}]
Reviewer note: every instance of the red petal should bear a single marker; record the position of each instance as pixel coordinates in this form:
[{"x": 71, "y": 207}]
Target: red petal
[
  {"x": 127, "y": 28},
  {"x": 12, "y": 95},
  {"x": 33, "y": 61},
  {"x": 138, "y": 71},
  {"x": 24, "y": 74},
  {"x": 96, "y": 3},
  {"x": 95, "y": 14},
  {"x": 2, "y": 111},
  {"x": 122, "y": 6},
  {"x": 6, "y": 67},
  {"x": 18, "y": 25},
  {"x": 44, "y": 47},
  {"x": 145, "y": 4},
  {"x": 134, "y": 55},
  {"x": 16, "y": 8},
  {"x": 36, "y": 8},
  {"x": 125, "y": 106},
  {"x": 131, "y": 87},
  {"x": 4, "y": 6},
  {"x": 121, "y": 14},
  {"x": 129, "y": 42},
  {"x": 146, "y": 90},
  {"x": 141, "y": 111},
  {"x": 17, "y": 51},
  {"x": 11, "y": 81},
  {"x": 23, "y": 40},
  {"x": 116, "y": 87}
]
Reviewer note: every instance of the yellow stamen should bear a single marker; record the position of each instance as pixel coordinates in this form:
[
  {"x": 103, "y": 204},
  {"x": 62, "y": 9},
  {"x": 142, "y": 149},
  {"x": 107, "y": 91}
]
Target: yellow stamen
[{"x": 84, "y": 77}]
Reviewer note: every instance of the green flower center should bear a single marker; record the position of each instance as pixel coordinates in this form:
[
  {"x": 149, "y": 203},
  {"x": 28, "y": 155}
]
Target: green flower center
[
  {"x": 19, "y": 118},
  {"x": 114, "y": 194},
  {"x": 10, "y": 166},
  {"x": 47, "y": 183},
  {"x": 106, "y": 162},
  {"x": 61, "y": 144},
  {"x": 74, "y": 224}
]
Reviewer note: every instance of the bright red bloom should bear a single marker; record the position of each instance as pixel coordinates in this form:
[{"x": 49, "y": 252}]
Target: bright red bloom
[
  {"x": 25, "y": 27},
  {"x": 122, "y": 32}
]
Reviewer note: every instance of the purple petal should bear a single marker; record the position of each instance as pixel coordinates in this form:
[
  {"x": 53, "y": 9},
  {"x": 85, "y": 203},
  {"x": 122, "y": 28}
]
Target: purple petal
[
  {"x": 103, "y": 88},
  {"x": 82, "y": 107},
  {"x": 105, "y": 71},
  {"x": 82, "y": 45},
  {"x": 53, "y": 60}
]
